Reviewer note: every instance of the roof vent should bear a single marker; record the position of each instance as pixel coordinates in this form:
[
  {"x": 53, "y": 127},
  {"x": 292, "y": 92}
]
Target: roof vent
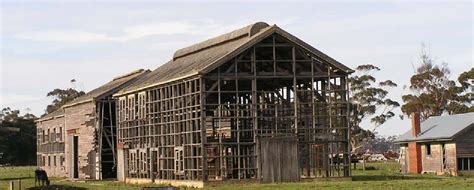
[{"x": 255, "y": 28}]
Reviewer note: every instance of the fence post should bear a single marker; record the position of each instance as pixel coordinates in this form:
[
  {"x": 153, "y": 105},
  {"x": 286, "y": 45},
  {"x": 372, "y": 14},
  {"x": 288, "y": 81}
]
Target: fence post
[
  {"x": 19, "y": 184},
  {"x": 12, "y": 185}
]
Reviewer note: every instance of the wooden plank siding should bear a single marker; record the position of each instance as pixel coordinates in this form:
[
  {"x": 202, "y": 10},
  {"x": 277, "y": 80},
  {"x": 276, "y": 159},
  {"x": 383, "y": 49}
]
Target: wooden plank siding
[
  {"x": 465, "y": 143},
  {"x": 279, "y": 159}
]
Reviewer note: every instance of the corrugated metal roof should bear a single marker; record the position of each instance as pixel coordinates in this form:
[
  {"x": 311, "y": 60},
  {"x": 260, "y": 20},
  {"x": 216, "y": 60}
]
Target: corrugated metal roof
[
  {"x": 440, "y": 127},
  {"x": 111, "y": 87},
  {"x": 57, "y": 113},
  {"x": 199, "y": 58}
]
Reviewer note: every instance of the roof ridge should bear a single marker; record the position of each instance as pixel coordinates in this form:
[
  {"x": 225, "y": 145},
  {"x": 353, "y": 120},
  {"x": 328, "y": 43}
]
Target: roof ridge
[
  {"x": 448, "y": 115},
  {"x": 248, "y": 31},
  {"x": 128, "y": 74},
  {"x": 55, "y": 113},
  {"x": 107, "y": 87}
]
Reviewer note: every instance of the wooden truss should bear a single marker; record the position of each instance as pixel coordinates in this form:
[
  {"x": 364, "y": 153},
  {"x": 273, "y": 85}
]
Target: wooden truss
[{"x": 208, "y": 127}]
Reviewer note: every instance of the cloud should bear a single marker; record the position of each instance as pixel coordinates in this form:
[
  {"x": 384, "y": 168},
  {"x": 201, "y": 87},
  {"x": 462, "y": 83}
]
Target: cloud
[
  {"x": 164, "y": 28},
  {"x": 207, "y": 29},
  {"x": 63, "y": 36},
  {"x": 6, "y": 99}
]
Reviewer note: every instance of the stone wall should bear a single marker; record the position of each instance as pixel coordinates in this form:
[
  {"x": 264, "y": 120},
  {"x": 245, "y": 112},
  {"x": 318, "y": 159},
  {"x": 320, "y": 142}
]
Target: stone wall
[
  {"x": 451, "y": 165},
  {"x": 80, "y": 121},
  {"x": 434, "y": 163},
  {"x": 50, "y": 146},
  {"x": 53, "y": 164},
  {"x": 403, "y": 159}
]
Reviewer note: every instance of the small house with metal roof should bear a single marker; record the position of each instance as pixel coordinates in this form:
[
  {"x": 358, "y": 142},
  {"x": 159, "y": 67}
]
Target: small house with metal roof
[{"x": 440, "y": 145}]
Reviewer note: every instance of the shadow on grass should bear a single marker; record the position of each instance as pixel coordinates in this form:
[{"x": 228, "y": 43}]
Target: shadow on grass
[
  {"x": 390, "y": 177},
  {"x": 14, "y": 178},
  {"x": 57, "y": 187}
]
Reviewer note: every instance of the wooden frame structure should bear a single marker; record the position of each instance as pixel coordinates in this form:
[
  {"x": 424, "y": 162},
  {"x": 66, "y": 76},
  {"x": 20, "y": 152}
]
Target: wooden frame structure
[{"x": 207, "y": 126}]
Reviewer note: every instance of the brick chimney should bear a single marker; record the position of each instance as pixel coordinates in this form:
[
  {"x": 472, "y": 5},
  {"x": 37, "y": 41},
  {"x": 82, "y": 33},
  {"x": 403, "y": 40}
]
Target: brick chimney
[
  {"x": 413, "y": 147},
  {"x": 414, "y": 158},
  {"x": 415, "y": 124}
]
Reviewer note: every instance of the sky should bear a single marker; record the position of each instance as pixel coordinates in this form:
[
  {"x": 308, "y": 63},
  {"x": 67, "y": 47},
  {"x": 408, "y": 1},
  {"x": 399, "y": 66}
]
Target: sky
[{"x": 46, "y": 44}]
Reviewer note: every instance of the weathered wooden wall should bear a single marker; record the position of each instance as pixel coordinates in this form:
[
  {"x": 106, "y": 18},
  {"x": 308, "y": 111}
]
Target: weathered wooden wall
[
  {"x": 205, "y": 127},
  {"x": 272, "y": 89},
  {"x": 465, "y": 144},
  {"x": 164, "y": 121},
  {"x": 279, "y": 159}
]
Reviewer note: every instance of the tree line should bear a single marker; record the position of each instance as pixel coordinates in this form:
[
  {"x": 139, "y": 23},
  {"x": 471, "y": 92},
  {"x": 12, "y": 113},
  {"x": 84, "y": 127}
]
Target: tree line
[{"x": 18, "y": 147}]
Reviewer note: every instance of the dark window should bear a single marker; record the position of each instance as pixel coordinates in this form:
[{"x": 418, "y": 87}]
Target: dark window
[
  {"x": 471, "y": 160},
  {"x": 48, "y": 136},
  {"x": 459, "y": 163},
  {"x": 465, "y": 164},
  {"x": 444, "y": 156},
  {"x": 60, "y": 134},
  {"x": 428, "y": 149}
]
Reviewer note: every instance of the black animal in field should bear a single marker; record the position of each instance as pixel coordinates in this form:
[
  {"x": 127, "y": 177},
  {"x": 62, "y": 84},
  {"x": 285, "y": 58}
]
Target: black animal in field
[{"x": 41, "y": 177}]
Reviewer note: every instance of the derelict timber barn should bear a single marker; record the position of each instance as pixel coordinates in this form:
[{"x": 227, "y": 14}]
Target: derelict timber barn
[{"x": 256, "y": 103}]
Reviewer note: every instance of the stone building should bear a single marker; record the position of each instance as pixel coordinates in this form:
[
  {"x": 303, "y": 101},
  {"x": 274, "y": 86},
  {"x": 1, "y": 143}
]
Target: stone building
[
  {"x": 79, "y": 140},
  {"x": 50, "y": 143},
  {"x": 439, "y": 145}
]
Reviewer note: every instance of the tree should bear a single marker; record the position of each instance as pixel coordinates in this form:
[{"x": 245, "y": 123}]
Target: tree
[
  {"x": 369, "y": 101},
  {"x": 380, "y": 144},
  {"x": 61, "y": 97},
  {"x": 10, "y": 142},
  {"x": 7, "y": 114},
  {"x": 433, "y": 93},
  {"x": 463, "y": 102}
]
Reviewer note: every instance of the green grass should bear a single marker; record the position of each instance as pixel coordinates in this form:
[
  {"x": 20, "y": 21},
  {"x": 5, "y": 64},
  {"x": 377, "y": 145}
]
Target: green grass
[
  {"x": 26, "y": 175},
  {"x": 385, "y": 177}
]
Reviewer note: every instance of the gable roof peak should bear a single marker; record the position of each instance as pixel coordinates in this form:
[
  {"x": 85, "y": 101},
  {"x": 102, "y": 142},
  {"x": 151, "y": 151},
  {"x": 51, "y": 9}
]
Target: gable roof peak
[{"x": 247, "y": 31}]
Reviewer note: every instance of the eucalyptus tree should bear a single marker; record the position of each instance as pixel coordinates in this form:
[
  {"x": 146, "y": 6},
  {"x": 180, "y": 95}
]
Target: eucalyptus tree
[{"x": 369, "y": 100}]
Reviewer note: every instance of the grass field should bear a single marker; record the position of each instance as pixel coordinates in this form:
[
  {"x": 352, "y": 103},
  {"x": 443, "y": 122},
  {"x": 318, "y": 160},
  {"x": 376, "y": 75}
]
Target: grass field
[{"x": 385, "y": 177}]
